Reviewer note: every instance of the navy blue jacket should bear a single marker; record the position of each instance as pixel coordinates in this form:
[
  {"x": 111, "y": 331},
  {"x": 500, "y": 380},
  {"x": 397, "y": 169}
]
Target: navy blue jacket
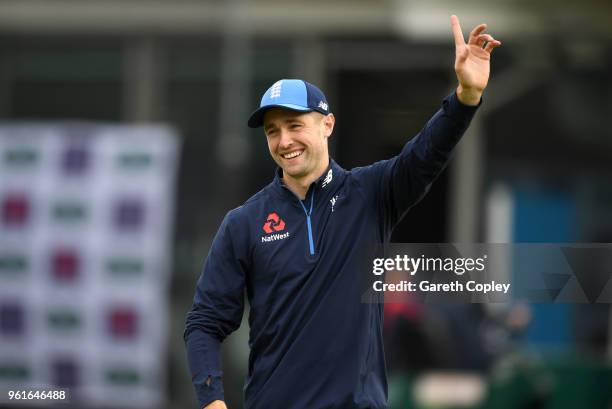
[{"x": 313, "y": 343}]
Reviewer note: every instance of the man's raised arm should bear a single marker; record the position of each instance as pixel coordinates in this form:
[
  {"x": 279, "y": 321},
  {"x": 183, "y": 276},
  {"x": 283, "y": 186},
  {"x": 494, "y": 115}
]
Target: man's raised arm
[{"x": 403, "y": 180}]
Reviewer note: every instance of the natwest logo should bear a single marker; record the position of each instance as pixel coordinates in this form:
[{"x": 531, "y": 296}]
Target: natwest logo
[{"x": 273, "y": 223}]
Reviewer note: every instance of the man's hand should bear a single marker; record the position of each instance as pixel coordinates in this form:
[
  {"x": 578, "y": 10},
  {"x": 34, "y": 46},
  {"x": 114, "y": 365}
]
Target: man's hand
[
  {"x": 472, "y": 61},
  {"x": 217, "y": 404}
]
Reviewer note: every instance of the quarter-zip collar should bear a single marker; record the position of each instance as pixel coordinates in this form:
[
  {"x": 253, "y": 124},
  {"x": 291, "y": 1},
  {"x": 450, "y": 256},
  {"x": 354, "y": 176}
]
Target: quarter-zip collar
[
  {"x": 323, "y": 187},
  {"x": 319, "y": 191}
]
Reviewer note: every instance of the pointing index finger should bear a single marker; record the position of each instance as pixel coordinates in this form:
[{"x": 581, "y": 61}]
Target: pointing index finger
[{"x": 457, "y": 33}]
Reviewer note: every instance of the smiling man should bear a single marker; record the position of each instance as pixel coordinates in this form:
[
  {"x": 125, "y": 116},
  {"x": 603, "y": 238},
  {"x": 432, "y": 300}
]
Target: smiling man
[{"x": 294, "y": 248}]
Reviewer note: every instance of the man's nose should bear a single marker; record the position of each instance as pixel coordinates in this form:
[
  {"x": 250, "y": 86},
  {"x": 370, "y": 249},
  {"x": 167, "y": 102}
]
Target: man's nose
[{"x": 285, "y": 140}]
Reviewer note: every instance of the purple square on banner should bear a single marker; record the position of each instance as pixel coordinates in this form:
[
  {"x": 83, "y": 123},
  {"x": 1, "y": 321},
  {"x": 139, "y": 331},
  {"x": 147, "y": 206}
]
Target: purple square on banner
[
  {"x": 65, "y": 373},
  {"x": 75, "y": 159},
  {"x": 129, "y": 214},
  {"x": 12, "y": 319}
]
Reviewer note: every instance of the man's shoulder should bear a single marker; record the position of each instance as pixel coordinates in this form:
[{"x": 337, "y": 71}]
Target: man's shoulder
[
  {"x": 360, "y": 172},
  {"x": 250, "y": 205}
]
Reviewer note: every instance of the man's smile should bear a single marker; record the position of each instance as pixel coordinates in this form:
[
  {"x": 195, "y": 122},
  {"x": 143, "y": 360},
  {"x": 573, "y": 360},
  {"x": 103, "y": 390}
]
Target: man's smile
[{"x": 292, "y": 155}]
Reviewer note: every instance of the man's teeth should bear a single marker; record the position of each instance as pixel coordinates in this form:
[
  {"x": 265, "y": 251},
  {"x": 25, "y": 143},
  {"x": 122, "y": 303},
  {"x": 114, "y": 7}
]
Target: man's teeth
[{"x": 292, "y": 154}]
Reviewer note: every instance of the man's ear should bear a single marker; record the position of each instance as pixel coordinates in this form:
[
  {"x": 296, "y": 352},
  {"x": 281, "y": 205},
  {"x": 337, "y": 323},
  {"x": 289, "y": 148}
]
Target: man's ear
[{"x": 329, "y": 121}]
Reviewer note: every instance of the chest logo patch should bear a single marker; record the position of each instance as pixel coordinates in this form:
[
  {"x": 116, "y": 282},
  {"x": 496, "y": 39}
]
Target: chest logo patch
[{"x": 273, "y": 223}]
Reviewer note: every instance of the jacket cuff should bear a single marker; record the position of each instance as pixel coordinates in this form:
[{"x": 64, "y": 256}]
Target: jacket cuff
[
  {"x": 458, "y": 111},
  {"x": 209, "y": 392}
]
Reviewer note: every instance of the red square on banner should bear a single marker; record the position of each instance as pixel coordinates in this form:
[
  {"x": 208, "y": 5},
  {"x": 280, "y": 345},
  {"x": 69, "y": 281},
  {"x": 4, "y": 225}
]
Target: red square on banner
[
  {"x": 123, "y": 323},
  {"x": 65, "y": 265},
  {"x": 15, "y": 209}
]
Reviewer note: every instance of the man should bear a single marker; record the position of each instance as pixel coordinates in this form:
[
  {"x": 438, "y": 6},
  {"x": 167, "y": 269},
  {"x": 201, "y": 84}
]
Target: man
[{"x": 294, "y": 247}]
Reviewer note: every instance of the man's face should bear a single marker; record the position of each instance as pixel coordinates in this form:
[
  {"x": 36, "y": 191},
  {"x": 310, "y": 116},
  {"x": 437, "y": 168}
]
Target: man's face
[{"x": 298, "y": 141}]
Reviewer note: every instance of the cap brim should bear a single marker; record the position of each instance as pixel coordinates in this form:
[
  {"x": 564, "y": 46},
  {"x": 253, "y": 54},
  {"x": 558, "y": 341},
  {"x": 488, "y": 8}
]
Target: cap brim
[{"x": 256, "y": 119}]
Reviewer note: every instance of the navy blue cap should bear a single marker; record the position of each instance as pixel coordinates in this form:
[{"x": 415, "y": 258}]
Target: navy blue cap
[{"x": 297, "y": 95}]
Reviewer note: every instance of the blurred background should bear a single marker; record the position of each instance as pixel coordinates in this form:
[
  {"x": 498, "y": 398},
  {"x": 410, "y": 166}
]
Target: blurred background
[{"x": 157, "y": 93}]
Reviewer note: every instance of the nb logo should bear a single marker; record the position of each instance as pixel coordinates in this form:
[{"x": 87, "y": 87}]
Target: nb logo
[
  {"x": 328, "y": 178},
  {"x": 273, "y": 223}
]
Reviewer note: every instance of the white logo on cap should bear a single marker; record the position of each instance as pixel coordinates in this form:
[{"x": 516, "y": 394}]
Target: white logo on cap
[
  {"x": 275, "y": 91},
  {"x": 323, "y": 105}
]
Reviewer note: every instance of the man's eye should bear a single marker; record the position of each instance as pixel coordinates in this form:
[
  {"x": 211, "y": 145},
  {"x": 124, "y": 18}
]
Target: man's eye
[{"x": 296, "y": 126}]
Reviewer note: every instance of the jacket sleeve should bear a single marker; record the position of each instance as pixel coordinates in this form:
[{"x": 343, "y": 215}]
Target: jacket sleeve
[
  {"x": 217, "y": 311},
  {"x": 400, "y": 182}
]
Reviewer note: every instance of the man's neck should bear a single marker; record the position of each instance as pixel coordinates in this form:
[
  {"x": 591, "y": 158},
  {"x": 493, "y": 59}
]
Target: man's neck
[{"x": 299, "y": 186}]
